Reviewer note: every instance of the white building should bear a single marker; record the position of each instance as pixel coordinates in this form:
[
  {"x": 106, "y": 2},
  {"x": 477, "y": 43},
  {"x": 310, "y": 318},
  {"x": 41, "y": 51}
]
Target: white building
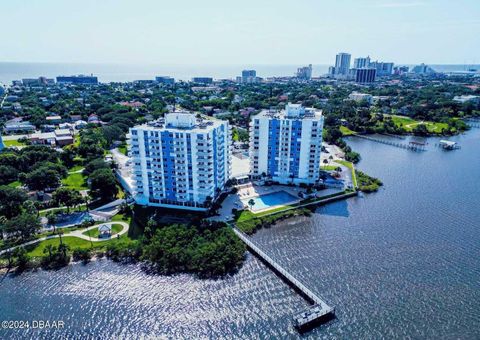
[
  {"x": 181, "y": 161},
  {"x": 285, "y": 145},
  {"x": 360, "y": 97},
  {"x": 466, "y": 98},
  {"x": 361, "y": 62},
  {"x": 342, "y": 64},
  {"x": 305, "y": 72}
]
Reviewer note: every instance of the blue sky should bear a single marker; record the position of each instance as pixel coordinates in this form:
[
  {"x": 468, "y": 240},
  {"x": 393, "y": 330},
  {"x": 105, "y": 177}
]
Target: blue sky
[{"x": 239, "y": 32}]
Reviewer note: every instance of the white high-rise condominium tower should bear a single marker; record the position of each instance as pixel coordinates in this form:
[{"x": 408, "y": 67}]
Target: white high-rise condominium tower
[
  {"x": 342, "y": 63},
  {"x": 181, "y": 161},
  {"x": 361, "y": 62},
  {"x": 285, "y": 145}
]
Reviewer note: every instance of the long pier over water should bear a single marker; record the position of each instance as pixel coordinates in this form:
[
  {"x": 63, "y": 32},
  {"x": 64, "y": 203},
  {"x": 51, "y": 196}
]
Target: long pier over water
[
  {"x": 318, "y": 312},
  {"x": 413, "y": 146},
  {"x": 473, "y": 122}
]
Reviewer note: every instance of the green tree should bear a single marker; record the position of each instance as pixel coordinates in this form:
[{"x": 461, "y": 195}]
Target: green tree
[
  {"x": 30, "y": 208},
  {"x": 68, "y": 156},
  {"x": 8, "y": 174},
  {"x": 67, "y": 197},
  {"x": 11, "y": 200},
  {"x": 43, "y": 178},
  {"x": 22, "y": 258},
  {"x": 103, "y": 184},
  {"x": 24, "y": 225},
  {"x": 420, "y": 130},
  {"x": 95, "y": 164},
  {"x": 50, "y": 250}
]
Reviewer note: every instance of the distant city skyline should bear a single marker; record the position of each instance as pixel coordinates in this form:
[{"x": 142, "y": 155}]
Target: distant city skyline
[{"x": 248, "y": 32}]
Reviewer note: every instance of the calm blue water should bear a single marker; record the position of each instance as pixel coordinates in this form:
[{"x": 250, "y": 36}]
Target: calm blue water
[
  {"x": 128, "y": 72},
  {"x": 270, "y": 200},
  {"x": 401, "y": 263}
]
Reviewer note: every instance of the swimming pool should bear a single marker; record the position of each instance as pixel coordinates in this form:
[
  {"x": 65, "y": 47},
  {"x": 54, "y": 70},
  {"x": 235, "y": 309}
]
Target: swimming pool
[{"x": 269, "y": 200}]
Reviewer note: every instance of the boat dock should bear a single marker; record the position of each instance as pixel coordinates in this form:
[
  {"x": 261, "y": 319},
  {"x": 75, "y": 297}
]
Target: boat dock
[
  {"x": 475, "y": 123},
  {"x": 448, "y": 145},
  {"x": 319, "y": 312},
  {"x": 413, "y": 146}
]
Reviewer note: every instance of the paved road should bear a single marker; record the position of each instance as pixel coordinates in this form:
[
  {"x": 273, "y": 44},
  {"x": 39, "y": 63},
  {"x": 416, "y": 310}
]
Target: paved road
[{"x": 75, "y": 233}]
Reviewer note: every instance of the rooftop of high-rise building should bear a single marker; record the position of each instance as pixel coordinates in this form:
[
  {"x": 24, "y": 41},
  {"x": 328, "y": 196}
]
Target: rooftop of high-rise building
[
  {"x": 292, "y": 111},
  {"x": 181, "y": 121}
]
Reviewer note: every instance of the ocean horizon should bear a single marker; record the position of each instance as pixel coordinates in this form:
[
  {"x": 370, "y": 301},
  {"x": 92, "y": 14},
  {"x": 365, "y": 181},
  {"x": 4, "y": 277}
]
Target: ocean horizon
[{"x": 117, "y": 72}]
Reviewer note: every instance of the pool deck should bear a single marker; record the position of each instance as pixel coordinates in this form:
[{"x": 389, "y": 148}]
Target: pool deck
[
  {"x": 250, "y": 190},
  {"x": 295, "y": 199}
]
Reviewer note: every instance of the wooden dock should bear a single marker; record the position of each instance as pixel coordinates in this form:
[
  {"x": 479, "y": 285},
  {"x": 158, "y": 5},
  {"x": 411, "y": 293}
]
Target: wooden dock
[
  {"x": 319, "y": 312},
  {"x": 412, "y": 146}
]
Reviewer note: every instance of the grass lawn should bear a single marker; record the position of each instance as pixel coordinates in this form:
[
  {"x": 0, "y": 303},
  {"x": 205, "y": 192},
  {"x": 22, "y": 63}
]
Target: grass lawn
[
  {"x": 76, "y": 140},
  {"x": 36, "y": 250},
  {"x": 120, "y": 217},
  {"x": 328, "y": 167},
  {"x": 9, "y": 143},
  {"x": 76, "y": 168},
  {"x": 15, "y": 184},
  {"x": 120, "y": 193},
  {"x": 75, "y": 181},
  {"x": 352, "y": 169},
  {"x": 409, "y": 124},
  {"x": 81, "y": 207},
  {"x": 116, "y": 228},
  {"x": 246, "y": 214},
  {"x": 346, "y": 131},
  {"x": 235, "y": 136},
  {"x": 123, "y": 149}
]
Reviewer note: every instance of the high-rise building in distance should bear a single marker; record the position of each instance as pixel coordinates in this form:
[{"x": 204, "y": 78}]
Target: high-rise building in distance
[
  {"x": 365, "y": 75},
  {"x": 165, "y": 80},
  {"x": 248, "y": 76},
  {"x": 342, "y": 64},
  {"x": 202, "y": 80},
  {"x": 285, "y": 145},
  {"x": 383, "y": 68},
  {"x": 422, "y": 69},
  {"x": 80, "y": 79},
  {"x": 180, "y": 161},
  {"x": 304, "y": 73},
  {"x": 361, "y": 62},
  {"x": 40, "y": 81}
]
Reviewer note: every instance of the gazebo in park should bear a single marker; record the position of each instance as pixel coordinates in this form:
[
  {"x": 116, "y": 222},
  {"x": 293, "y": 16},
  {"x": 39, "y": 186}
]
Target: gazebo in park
[{"x": 104, "y": 231}]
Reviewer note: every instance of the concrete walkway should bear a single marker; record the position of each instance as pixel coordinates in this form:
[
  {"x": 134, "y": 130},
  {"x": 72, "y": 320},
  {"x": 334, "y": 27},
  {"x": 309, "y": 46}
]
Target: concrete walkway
[
  {"x": 79, "y": 233},
  {"x": 75, "y": 233},
  {"x": 76, "y": 171}
]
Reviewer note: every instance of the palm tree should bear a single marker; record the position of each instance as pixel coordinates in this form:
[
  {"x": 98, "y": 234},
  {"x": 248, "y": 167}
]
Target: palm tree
[
  {"x": 49, "y": 248},
  {"x": 52, "y": 219},
  {"x": 3, "y": 220},
  {"x": 63, "y": 248},
  {"x": 9, "y": 257},
  {"x": 251, "y": 203}
]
